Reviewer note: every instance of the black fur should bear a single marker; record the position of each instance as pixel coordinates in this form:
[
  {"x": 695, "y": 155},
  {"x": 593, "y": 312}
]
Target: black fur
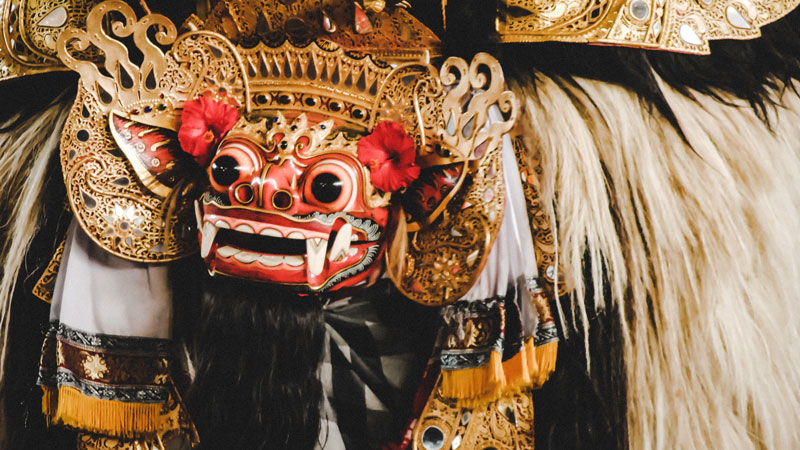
[{"x": 256, "y": 353}]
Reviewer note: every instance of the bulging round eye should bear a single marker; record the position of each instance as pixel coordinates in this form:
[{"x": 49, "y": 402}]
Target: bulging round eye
[
  {"x": 225, "y": 170},
  {"x": 329, "y": 185},
  {"x": 326, "y": 187},
  {"x": 235, "y": 162}
]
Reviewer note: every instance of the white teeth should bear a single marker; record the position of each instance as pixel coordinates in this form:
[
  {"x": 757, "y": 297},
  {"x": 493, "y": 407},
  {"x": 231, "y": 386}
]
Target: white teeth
[
  {"x": 341, "y": 245},
  {"x": 221, "y": 224},
  {"x": 245, "y": 257},
  {"x": 208, "y": 233},
  {"x": 294, "y": 260},
  {"x": 244, "y": 228},
  {"x": 315, "y": 249},
  {"x": 353, "y": 237},
  {"x": 353, "y": 251},
  {"x": 295, "y": 235},
  {"x": 266, "y": 260},
  {"x": 198, "y": 215},
  {"x": 272, "y": 232},
  {"x": 227, "y": 251},
  {"x": 270, "y": 260}
]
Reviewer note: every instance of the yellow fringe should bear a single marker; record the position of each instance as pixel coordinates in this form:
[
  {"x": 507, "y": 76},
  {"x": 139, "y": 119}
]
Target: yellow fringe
[
  {"x": 49, "y": 398},
  {"x": 108, "y": 417},
  {"x": 532, "y": 366},
  {"x": 517, "y": 370},
  {"x": 545, "y": 356},
  {"x": 477, "y": 385}
]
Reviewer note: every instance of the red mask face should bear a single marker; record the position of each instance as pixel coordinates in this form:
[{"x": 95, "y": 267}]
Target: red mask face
[{"x": 296, "y": 209}]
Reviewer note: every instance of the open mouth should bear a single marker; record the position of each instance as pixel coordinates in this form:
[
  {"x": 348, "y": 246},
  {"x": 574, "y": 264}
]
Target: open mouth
[{"x": 320, "y": 250}]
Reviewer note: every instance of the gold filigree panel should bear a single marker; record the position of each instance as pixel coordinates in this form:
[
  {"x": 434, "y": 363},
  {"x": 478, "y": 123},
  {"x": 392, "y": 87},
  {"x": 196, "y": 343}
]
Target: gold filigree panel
[
  {"x": 394, "y": 35},
  {"x": 444, "y": 259},
  {"x": 684, "y": 26},
  {"x": 544, "y": 242},
  {"x": 30, "y": 30},
  {"x": 505, "y": 424},
  {"x": 110, "y": 203},
  {"x": 446, "y": 251}
]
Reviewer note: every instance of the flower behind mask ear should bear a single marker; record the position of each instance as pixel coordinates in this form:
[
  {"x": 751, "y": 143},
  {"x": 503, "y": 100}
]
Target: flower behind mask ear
[
  {"x": 204, "y": 122},
  {"x": 389, "y": 154}
]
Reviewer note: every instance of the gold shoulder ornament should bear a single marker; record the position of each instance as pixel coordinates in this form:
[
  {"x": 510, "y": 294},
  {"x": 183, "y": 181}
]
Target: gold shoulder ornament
[
  {"x": 684, "y": 26},
  {"x": 30, "y": 30}
]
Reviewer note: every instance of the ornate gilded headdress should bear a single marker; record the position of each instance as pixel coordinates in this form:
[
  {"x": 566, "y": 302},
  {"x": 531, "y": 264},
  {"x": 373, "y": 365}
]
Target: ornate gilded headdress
[
  {"x": 30, "y": 30},
  {"x": 298, "y": 103},
  {"x": 684, "y": 26}
]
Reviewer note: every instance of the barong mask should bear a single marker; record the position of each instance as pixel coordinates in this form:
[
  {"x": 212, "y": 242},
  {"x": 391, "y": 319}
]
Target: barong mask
[
  {"x": 295, "y": 209},
  {"x": 296, "y": 162}
]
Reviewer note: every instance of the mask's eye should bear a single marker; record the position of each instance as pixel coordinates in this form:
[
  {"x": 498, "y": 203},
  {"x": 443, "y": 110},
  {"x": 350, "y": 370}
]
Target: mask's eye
[
  {"x": 235, "y": 162},
  {"x": 225, "y": 170},
  {"x": 326, "y": 187},
  {"x": 329, "y": 185}
]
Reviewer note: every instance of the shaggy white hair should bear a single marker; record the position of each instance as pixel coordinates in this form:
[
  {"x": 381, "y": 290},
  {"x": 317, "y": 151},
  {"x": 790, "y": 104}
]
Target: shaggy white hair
[
  {"x": 699, "y": 241},
  {"x": 25, "y": 156}
]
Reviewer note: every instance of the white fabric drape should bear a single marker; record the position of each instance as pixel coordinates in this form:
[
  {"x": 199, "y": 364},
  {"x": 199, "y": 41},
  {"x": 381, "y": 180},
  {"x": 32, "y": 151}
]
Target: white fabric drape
[{"x": 98, "y": 292}]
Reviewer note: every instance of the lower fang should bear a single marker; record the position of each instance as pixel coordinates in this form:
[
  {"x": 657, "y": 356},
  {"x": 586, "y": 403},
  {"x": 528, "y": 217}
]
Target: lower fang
[{"x": 207, "y": 235}]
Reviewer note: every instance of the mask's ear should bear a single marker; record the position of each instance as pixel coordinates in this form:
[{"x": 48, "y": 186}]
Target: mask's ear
[
  {"x": 154, "y": 153},
  {"x": 426, "y": 198}
]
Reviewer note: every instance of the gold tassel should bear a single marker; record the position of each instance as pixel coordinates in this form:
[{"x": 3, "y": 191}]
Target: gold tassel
[
  {"x": 545, "y": 356},
  {"x": 516, "y": 370},
  {"x": 49, "y": 399},
  {"x": 108, "y": 417},
  {"x": 530, "y": 367},
  {"x": 477, "y": 385},
  {"x": 521, "y": 368}
]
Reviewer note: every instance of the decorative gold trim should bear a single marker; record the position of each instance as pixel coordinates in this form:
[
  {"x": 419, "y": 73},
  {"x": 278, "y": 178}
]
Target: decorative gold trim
[
  {"x": 43, "y": 289},
  {"x": 504, "y": 424},
  {"x": 30, "y": 30},
  {"x": 684, "y": 26},
  {"x": 544, "y": 242},
  {"x": 447, "y": 252}
]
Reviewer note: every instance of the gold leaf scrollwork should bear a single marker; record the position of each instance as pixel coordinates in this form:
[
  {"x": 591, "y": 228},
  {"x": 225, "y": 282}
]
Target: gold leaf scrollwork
[
  {"x": 449, "y": 250},
  {"x": 125, "y": 83},
  {"x": 110, "y": 202},
  {"x": 504, "y": 424}
]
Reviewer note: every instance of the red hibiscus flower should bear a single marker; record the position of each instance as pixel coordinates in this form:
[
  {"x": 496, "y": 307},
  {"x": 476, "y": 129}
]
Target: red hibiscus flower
[
  {"x": 204, "y": 123},
  {"x": 389, "y": 154}
]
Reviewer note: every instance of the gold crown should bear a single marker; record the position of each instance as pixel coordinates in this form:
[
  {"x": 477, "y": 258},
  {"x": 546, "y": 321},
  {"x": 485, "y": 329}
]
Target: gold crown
[
  {"x": 684, "y": 26},
  {"x": 30, "y": 28},
  {"x": 318, "y": 78},
  {"x": 390, "y": 33}
]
